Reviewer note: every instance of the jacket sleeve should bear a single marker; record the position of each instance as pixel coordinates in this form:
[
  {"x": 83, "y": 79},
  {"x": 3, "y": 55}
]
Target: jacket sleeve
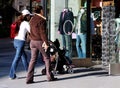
[
  {"x": 60, "y": 23},
  {"x": 43, "y": 31}
]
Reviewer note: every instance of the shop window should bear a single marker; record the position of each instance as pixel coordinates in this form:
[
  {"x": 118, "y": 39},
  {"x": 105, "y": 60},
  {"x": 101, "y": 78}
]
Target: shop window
[{"x": 83, "y": 3}]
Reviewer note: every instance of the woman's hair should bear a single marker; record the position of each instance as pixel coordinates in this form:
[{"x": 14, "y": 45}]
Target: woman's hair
[
  {"x": 38, "y": 9},
  {"x": 18, "y": 22},
  {"x": 25, "y": 17}
]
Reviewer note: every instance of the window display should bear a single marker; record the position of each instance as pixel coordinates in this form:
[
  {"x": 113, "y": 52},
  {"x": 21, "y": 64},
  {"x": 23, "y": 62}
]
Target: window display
[{"x": 81, "y": 32}]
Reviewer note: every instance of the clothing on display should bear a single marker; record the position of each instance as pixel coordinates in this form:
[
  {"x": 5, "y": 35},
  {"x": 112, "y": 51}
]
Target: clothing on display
[
  {"x": 66, "y": 15},
  {"x": 92, "y": 26},
  {"x": 117, "y": 40},
  {"x": 81, "y": 30},
  {"x": 81, "y": 26},
  {"x": 65, "y": 28}
]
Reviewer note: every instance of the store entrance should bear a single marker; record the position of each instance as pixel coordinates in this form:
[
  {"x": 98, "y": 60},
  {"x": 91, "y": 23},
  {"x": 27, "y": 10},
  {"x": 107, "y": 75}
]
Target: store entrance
[
  {"x": 96, "y": 14},
  {"x": 99, "y": 13},
  {"x": 103, "y": 11}
]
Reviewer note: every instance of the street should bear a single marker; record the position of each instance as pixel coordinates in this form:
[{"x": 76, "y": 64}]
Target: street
[{"x": 95, "y": 77}]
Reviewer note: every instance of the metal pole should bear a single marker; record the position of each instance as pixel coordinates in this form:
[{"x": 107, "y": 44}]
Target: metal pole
[
  {"x": 31, "y": 6},
  {"x": 44, "y": 5},
  {"x": 45, "y": 8},
  {"x": 88, "y": 45}
]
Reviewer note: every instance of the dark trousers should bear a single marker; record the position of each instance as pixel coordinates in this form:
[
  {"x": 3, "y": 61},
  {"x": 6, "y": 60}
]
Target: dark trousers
[{"x": 36, "y": 46}]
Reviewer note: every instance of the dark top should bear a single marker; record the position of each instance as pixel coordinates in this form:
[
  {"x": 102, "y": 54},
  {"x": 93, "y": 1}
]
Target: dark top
[{"x": 68, "y": 15}]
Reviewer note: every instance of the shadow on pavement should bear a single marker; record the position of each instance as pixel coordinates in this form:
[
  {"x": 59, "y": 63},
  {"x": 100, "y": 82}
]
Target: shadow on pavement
[
  {"x": 86, "y": 72},
  {"x": 7, "y": 53}
]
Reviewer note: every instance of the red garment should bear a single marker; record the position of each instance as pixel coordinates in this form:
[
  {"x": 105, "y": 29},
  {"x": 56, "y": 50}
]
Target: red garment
[{"x": 13, "y": 30}]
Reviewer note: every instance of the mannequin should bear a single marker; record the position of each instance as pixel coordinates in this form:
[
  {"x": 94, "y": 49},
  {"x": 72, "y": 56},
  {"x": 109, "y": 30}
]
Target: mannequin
[
  {"x": 65, "y": 15},
  {"x": 117, "y": 40},
  {"x": 65, "y": 9},
  {"x": 81, "y": 30}
]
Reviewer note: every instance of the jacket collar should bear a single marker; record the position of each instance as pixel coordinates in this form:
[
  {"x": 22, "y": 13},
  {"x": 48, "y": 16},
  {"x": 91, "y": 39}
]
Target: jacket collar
[{"x": 41, "y": 16}]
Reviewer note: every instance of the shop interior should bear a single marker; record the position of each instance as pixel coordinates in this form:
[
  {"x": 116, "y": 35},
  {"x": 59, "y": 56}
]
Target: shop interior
[{"x": 96, "y": 10}]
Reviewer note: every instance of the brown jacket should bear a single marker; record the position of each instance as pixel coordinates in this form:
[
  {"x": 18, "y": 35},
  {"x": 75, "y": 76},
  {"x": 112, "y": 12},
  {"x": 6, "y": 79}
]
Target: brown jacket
[{"x": 38, "y": 28}]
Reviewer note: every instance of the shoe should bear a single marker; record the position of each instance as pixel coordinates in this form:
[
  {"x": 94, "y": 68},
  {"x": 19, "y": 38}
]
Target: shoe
[
  {"x": 53, "y": 79},
  {"x": 13, "y": 78},
  {"x": 30, "y": 82}
]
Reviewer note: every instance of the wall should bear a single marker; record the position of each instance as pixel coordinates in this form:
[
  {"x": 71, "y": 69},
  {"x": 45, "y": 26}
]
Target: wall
[{"x": 56, "y": 7}]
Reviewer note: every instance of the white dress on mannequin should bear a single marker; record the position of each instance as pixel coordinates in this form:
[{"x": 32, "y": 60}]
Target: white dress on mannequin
[{"x": 117, "y": 40}]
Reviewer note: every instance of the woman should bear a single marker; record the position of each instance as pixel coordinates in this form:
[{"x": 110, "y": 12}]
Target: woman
[
  {"x": 19, "y": 42},
  {"x": 38, "y": 35}
]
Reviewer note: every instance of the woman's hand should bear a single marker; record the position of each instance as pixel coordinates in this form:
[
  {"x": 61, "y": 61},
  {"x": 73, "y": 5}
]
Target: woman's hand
[{"x": 45, "y": 46}]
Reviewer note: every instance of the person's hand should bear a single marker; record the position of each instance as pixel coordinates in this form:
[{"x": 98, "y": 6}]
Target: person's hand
[
  {"x": 45, "y": 46},
  {"x": 69, "y": 33},
  {"x": 58, "y": 32}
]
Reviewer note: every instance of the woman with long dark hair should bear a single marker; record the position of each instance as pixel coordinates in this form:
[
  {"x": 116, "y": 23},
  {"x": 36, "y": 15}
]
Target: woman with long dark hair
[{"x": 19, "y": 42}]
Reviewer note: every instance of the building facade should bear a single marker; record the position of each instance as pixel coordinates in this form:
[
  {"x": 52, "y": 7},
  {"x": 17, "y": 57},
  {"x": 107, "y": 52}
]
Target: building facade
[{"x": 53, "y": 8}]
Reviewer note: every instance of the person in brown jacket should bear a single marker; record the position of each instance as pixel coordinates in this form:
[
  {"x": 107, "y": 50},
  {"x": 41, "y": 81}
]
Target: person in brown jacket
[{"x": 39, "y": 42}]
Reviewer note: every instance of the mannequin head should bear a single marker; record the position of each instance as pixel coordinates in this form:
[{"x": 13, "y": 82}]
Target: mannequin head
[
  {"x": 82, "y": 10},
  {"x": 65, "y": 10}
]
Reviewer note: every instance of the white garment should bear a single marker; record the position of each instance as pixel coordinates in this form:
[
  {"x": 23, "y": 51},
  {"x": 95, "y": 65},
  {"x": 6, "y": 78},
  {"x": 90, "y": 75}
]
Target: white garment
[
  {"x": 79, "y": 22},
  {"x": 24, "y": 27},
  {"x": 118, "y": 24},
  {"x": 82, "y": 11}
]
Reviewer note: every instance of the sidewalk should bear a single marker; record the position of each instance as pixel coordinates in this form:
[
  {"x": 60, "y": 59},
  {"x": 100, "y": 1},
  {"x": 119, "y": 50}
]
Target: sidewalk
[{"x": 81, "y": 78}]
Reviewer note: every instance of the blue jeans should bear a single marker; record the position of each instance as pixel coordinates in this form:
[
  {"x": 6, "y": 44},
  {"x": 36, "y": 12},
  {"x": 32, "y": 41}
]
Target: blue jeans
[
  {"x": 67, "y": 44},
  {"x": 20, "y": 54},
  {"x": 81, "y": 45}
]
